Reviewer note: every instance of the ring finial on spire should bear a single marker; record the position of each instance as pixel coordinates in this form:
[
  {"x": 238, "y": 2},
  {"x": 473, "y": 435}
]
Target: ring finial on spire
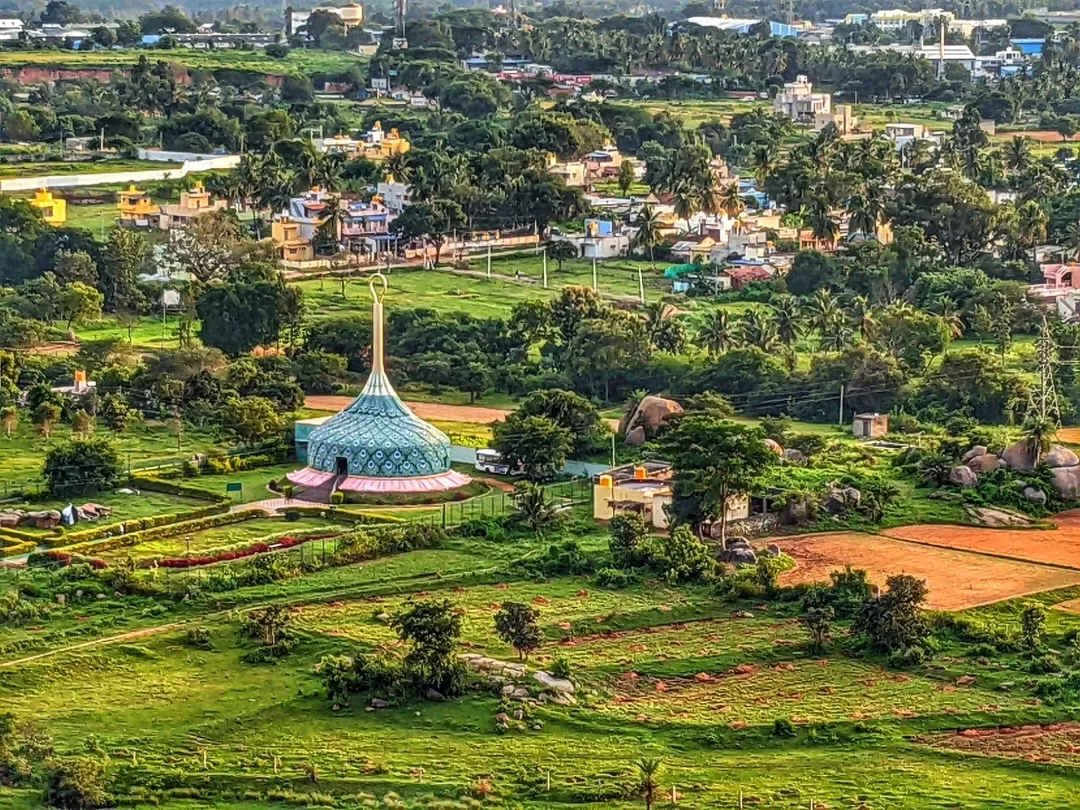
[{"x": 378, "y": 296}]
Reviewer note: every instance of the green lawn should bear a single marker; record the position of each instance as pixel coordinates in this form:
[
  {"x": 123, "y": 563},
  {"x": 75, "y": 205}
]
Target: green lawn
[
  {"x": 654, "y": 666},
  {"x": 141, "y": 445},
  {"x": 124, "y": 507},
  {"x": 201, "y": 542},
  {"x": 254, "y": 482},
  {"x": 99, "y": 218},
  {"x": 82, "y": 167}
]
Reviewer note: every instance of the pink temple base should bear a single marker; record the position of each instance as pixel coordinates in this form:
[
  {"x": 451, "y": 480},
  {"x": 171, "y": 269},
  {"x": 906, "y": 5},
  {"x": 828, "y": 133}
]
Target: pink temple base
[{"x": 451, "y": 479}]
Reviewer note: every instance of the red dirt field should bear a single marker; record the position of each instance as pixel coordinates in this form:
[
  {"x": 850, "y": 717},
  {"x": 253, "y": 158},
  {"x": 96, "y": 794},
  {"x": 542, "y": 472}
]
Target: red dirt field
[
  {"x": 471, "y": 414},
  {"x": 1060, "y": 546},
  {"x": 957, "y": 579}
]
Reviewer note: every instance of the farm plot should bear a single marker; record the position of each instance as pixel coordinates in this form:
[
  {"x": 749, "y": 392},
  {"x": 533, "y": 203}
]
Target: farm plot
[{"x": 957, "y": 579}]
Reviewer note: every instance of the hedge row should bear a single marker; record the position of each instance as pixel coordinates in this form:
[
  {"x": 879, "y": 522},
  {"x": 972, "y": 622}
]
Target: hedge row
[
  {"x": 17, "y": 548},
  {"x": 18, "y": 536},
  {"x": 136, "y": 525},
  {"x": 337, "y": 513},
  {"x": 239, "y": 552},
  {"x": 61, "y": 559},
  {"x": 154, "y": 484},
  {"x": 170, "y": 530}
]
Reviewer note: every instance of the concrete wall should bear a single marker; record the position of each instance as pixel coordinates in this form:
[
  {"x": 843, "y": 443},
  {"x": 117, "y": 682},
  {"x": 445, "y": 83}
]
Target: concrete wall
[{"x": 114, "y": 178}]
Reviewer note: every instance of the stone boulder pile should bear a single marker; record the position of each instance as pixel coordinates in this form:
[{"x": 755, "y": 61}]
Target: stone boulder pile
[{"x": 641, "y": 424}]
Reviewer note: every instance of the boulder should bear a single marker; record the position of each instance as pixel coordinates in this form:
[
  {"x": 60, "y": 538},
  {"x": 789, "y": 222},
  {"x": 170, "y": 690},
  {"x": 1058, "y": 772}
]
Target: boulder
[
  {"x": 1066, "y": 482},
  {"x": 963, "y": 476},
  {"x": 974, "y": 452},
  {"x": 9, "y": 520},
  {"x": 434, "y": 694},
  {"x": 987, "y": 462},
  {"x": 48, "y": 519},
  {"x": 379, "y": 703},
  {"x": 739, "y": 552},
  {"x": 508, "y": 690},
  {"x": 1034, "y": 495},
  {"x": 649, "y": 415},
  {"x": 1058, "y": 456},
  {"x": 841, "y": 499},
  {"x": 549, "y": 681},
  {"x": 1018, "y": 456},
  {"x": 635, "y": 437},
  {"x": 774, "y": 550},
  {"x": 774, "y": 446},
  {"x": 795, "y": 511},
  {"x": 795, "y": 456}
]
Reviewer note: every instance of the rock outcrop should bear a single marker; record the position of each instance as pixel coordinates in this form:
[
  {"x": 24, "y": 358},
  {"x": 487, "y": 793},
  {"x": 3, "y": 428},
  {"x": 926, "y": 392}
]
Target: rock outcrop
[{"x": 649, "y": 415}]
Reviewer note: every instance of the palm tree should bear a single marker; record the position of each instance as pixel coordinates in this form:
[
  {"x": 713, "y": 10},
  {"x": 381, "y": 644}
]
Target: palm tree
[
  {"x": 716, "y": 332},
  {"x": 649, "y": 780},
  {"x": 1018, "y": 154},
  {"x": 788, "y": 318},
  {"x": 945, "y": 308},
  {"x": 822, "y": 308},
  {"x": 763, "y": 162},
  {"x": 731, "y": 203},
  {"x": 862, "y": 318},
  {"x": 1031, "y": 225},
  {"x": 820, "y": 219},
  {"x": 865, "y": 213},
  {"x": 758, "y": 328},
  {"x": 685, "y": 201},
  {"x": 835, "y": 333},
  {"x": 1039, "y": 433},
  {"x": 647, "y": 235},
  {"x": 1071, "y": 241}
]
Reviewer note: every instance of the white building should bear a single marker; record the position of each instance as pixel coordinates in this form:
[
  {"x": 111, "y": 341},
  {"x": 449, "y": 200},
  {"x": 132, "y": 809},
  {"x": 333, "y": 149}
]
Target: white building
[
  {"x": 351, "y": 16},
  {"x": 938, "y": 55},
  {"x": 904, "y": 134},
  {"x": 10, "y": 29},
  {"x": 799, "y": 102}
]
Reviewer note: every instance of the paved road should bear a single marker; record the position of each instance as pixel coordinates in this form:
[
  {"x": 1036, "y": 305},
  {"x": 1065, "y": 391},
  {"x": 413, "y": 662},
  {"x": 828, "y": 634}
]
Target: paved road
[{"x": 468, "y": 414}]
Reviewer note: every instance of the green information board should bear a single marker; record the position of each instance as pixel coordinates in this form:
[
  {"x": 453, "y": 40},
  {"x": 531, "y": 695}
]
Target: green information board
[{"x": 234, "y": 486}]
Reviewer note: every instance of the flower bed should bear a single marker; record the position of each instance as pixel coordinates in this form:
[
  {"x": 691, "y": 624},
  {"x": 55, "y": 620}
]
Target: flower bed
[{"x": 55, "y": 558}]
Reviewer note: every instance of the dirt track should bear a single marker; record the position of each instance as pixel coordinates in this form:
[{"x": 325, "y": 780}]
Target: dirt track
[
  {"x": 470, "y": 414},
  {"x": 956, "y": 579}
]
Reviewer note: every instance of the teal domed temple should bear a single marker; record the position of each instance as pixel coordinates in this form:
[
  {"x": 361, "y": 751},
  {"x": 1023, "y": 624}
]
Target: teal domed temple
[{"x": 377, "y": 445}]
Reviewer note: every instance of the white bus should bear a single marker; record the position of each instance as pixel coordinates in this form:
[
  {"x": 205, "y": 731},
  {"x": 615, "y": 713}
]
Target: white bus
[{"x": 491, "y": 461}]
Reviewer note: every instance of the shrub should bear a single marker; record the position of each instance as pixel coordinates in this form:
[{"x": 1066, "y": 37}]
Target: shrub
[
  {"x": 684, "y": 557},
  {"x": 614, "y": 578},
  {"x": 198, "y": 637},
  {"x": 76, "y": 783},
  {"x": 337, "y": 498},
  {"x": 560, "y": 668},
  {"x": 155, "y": 484},
  {"x": 1044, "y": 665},
  {"x": 628, "y": 540},
  {"x": 782, "y": 727}
]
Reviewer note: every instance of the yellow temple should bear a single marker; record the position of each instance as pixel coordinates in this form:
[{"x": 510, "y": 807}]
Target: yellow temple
[
  {"x": 136, "y": 208},
  {"x": 53, "y": 209},
  {"x": 378, "y": 145},
  {"x": 285, "y": 232}
]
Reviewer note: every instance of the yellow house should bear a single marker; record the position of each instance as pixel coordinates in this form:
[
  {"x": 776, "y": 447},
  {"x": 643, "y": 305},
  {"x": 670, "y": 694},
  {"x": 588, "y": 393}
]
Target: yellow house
[
  {"x": 136, "y": 209},
  {"x": 53, "y": 209},
  {"x": 285, "y": 233},
  {"x": 193, "y": 202}
]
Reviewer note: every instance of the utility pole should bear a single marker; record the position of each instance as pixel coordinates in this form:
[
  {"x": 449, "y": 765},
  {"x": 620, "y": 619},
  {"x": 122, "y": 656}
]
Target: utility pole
[
  {"x": 545, "y": 267},
  {"x": 840, "y": 412},
  {"x": 641, "y": 285},
  {"x": 489, "y": 262},
  {"x": 595, "y": 286}
]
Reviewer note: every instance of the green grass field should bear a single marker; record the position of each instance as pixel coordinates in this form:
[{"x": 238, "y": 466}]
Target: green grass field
[
  {"x": 297, "y": 63},
  {"x": 142, "y": 445},
  {"x": 82, "y": 167},
  {"x": 660, "y": 671}
]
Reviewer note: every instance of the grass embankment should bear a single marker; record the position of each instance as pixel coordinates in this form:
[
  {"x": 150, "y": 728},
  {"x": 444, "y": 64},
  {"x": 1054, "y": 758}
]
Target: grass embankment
[{"x": 297, "y": 63}]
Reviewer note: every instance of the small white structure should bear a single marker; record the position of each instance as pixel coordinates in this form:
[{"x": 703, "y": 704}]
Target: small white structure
[
  {"x": 800, "y": 103},
  {"x": 10, "y": 28}
]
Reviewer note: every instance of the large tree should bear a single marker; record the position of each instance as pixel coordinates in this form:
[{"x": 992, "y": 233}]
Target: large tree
[
  {"x": 713, "y": 461},
  {"x": 535, "y": 443}
]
